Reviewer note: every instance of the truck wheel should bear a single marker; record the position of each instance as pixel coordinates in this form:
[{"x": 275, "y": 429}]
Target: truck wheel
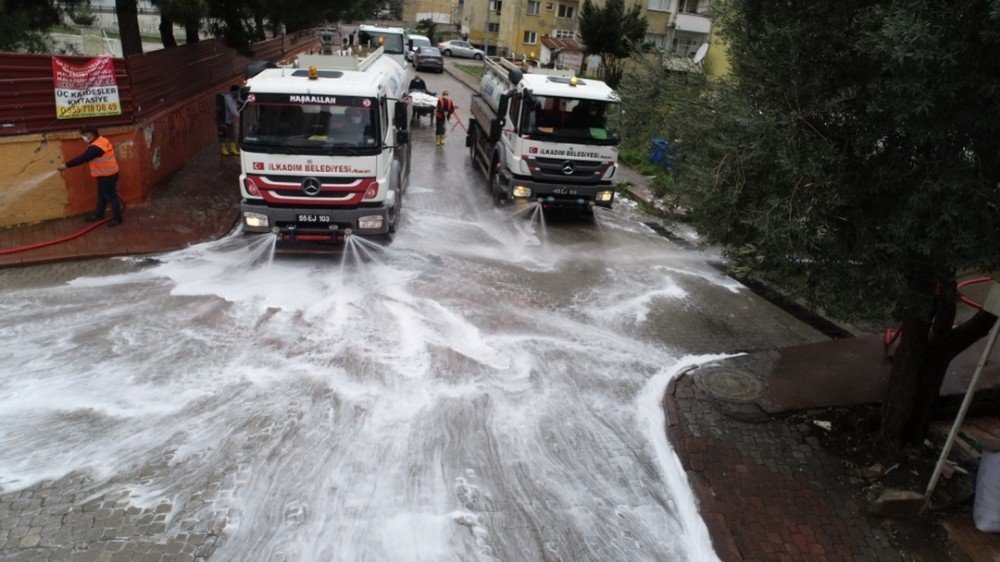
[
  {"x": 472, "y": 145},
  {"x": 496, "y": 187},
  {"x": 395, "y": 212}
]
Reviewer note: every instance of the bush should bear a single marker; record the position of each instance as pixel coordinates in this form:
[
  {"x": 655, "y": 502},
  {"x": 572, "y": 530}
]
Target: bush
[{"x": 82, "y": 18}]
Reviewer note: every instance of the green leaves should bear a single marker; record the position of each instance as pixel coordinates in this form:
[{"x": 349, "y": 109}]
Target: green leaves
[
  {"x": 23, "y": 23},
  {"x": 857, "y": 144},
  {"x": 613, "y": 33}
]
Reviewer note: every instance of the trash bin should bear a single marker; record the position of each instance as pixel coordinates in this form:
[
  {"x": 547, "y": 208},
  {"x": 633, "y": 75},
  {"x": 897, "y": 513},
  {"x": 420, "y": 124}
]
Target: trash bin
[{"x": 659, "y": 152}]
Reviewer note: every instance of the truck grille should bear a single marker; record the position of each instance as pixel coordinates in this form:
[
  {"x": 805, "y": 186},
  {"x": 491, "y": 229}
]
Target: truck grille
[
  {"x": 555, "y": 170},
  {"x": 311, "y": 191}
]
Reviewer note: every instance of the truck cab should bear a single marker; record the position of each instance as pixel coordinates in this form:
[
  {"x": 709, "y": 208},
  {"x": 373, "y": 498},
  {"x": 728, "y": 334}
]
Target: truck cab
[
  {"x": 325, "y": 149},
  {"x": 546, "y": 136}
]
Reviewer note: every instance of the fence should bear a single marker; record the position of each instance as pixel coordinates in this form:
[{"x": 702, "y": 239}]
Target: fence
[{"x": 147, "y": 83}]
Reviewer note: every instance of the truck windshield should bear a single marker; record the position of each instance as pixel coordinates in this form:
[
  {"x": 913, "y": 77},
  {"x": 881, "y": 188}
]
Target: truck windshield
[
  {"x": 392, "y": 42},
  {"x": 311, "y": 128},
  {"x": 571, "y": 120}
]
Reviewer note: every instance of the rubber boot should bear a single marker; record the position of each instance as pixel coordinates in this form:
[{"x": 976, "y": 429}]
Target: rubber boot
[
  {"x": 224, "y": 147},
  {"x": 234, "y": 149}
]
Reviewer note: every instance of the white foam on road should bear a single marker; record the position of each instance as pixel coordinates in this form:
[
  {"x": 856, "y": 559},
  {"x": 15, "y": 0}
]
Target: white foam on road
[{"x": 444, "y": 401}]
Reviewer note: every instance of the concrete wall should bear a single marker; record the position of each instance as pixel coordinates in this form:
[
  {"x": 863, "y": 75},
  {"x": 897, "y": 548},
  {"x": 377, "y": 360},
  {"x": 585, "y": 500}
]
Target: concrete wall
[
  {"x": 147, "y": 155},
  {"x": 30, "y": 190}
]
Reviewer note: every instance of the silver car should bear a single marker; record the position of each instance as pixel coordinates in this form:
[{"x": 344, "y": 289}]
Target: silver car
[{"x": 460, "y": 49}]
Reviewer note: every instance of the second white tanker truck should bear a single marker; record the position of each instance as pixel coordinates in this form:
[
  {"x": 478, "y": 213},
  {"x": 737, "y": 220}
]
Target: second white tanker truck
[{"x": 545, "y": 136}]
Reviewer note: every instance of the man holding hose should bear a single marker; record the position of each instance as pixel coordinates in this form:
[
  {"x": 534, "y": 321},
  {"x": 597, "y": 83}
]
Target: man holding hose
[{"x": 100, "y": 158}]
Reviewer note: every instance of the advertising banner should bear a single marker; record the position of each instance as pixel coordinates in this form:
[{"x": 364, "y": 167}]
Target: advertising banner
[{"x": 85, "y": 90}]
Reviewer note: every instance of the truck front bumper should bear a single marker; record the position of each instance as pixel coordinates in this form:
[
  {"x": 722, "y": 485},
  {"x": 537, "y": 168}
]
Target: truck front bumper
[
  {"x": 312, "y": 223},
  {"x": 559, "y": 195}
]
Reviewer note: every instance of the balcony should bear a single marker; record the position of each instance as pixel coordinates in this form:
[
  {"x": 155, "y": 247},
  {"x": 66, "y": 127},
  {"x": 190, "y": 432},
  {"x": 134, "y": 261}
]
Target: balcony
[{"x": 695, "y": 23}]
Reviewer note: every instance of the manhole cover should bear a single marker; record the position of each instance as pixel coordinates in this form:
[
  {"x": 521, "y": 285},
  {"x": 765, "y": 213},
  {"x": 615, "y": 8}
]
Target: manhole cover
[{"x": 735, "y": 386}]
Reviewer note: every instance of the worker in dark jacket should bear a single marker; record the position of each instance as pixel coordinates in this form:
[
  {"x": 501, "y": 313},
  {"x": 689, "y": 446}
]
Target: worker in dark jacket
[{"x": 100, "y": 158}]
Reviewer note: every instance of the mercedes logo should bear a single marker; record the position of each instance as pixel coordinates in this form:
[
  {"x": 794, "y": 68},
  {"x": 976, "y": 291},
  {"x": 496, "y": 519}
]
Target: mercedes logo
[
  {"x": 311, "y": 186},
  {"x": 568, "y": 168}
]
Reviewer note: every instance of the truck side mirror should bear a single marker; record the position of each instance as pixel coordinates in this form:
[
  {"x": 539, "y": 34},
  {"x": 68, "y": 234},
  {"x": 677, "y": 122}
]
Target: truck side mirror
[
  {"x": 502, "y": 105},
  {"x": 402, "y": 137},
  {"x": 496, "y": 129},
  {"x": 400, "y": 116},
  {"x": 244, "y": 93}
]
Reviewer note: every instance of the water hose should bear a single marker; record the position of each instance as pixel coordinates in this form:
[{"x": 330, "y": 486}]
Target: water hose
[
  {"x": 458, "y": 121},
  {"x": 66, "y": 238}
]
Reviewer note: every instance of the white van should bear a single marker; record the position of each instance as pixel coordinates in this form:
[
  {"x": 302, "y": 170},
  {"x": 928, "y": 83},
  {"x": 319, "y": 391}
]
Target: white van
[{"x": 414, "y": 41}]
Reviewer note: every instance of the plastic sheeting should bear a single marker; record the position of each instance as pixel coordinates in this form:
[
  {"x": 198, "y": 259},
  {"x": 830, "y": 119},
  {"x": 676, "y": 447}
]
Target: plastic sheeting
[{"x": 986, "y": 511}]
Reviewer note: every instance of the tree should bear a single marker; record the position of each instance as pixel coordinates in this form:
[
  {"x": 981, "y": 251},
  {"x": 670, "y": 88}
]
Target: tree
[
  {"x": 427, "y": 27},
  {"x": 854, "y": 157},
  {"x": 23, "y": 23},
  {"x": 242, "y": 21},
  {"x": 128, "y": 26},
  {"x": 612, "y": 33},
  {"x": 187, "y": 13}
]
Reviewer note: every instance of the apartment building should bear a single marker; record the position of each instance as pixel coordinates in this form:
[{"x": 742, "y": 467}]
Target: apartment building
[
  {"x": 515, "y": 28},
  {"x": 678, "y": 27},
  {"x": 444, "y": 12}
]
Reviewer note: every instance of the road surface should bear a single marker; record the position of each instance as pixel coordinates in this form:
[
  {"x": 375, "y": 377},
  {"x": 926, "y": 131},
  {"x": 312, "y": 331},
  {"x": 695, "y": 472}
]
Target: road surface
[{"x": 486, "y": 387}]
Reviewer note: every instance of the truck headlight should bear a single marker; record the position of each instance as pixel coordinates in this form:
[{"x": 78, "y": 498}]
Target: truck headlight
[
  {"x": 256, "y": 220},
  {"x": 521, "y": 191},
  {"x": 371, "y": 222},
  {"x": 604, "y": 196}
]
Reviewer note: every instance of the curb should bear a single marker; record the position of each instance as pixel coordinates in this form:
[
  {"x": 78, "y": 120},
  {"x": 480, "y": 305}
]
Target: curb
[
  {"x": 462, "y": 76},
  {"x": 718, "y": 529}
]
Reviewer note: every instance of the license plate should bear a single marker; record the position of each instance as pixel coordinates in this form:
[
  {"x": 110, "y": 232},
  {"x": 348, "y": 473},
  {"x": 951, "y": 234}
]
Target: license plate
[{"x": 314, "y": 218}]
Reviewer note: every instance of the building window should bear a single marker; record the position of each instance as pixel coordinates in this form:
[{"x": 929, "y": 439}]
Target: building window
[
  {"x": 495, "y": 6},
  {"x": 694, "y": 6},
  {"x": 686, "y": 44},
  {"x": 659, "y": 5},
  {"x": 493, "y": 27},
  {"x": 534, "y": 7},
  {"x": 530, "y": 38},
  {"x": 548, "y": 6},
  {"x": 657, "y": 39},
  {"x": 563, "y": 34},
  {"x": 565, "y": 11}
]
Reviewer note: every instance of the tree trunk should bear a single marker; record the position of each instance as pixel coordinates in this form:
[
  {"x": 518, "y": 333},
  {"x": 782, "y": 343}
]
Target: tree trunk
[
  {"x": 167, "y": 31},
  {"x": 918, "y": 369},
  {"x": 260, "y": 31},
  {"x": 904, "y": 382},
  {"x": 128, "y": 27},
  {"x": 191, "y": 29},
  {"x": 234, "y": 30}
]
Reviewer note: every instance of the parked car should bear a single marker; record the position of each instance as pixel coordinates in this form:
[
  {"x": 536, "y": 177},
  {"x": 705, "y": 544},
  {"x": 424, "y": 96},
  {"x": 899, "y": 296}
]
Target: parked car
[
  {"x": 415, "y": 41},
  {"x": 460, "y": 49},
  {"x": 429, "y": 58}
]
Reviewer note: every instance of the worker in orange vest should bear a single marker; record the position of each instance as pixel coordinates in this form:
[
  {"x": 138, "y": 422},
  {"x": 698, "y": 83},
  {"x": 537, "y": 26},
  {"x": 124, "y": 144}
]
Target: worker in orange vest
[
  {"x": 445, "y": 107},
  {"x": 100, "y": 158}
]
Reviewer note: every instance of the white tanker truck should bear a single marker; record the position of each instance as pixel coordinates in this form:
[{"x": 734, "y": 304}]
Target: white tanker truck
[
  {"x": 325, "y": 149},
  {"x": 545, "y": 136}
]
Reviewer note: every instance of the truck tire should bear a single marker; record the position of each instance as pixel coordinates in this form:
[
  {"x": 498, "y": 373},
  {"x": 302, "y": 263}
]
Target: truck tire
[
  {"x": 396, "y": 210},
  {"x": 496, "y": 188},
  {"x": 474, "y": 133}
]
